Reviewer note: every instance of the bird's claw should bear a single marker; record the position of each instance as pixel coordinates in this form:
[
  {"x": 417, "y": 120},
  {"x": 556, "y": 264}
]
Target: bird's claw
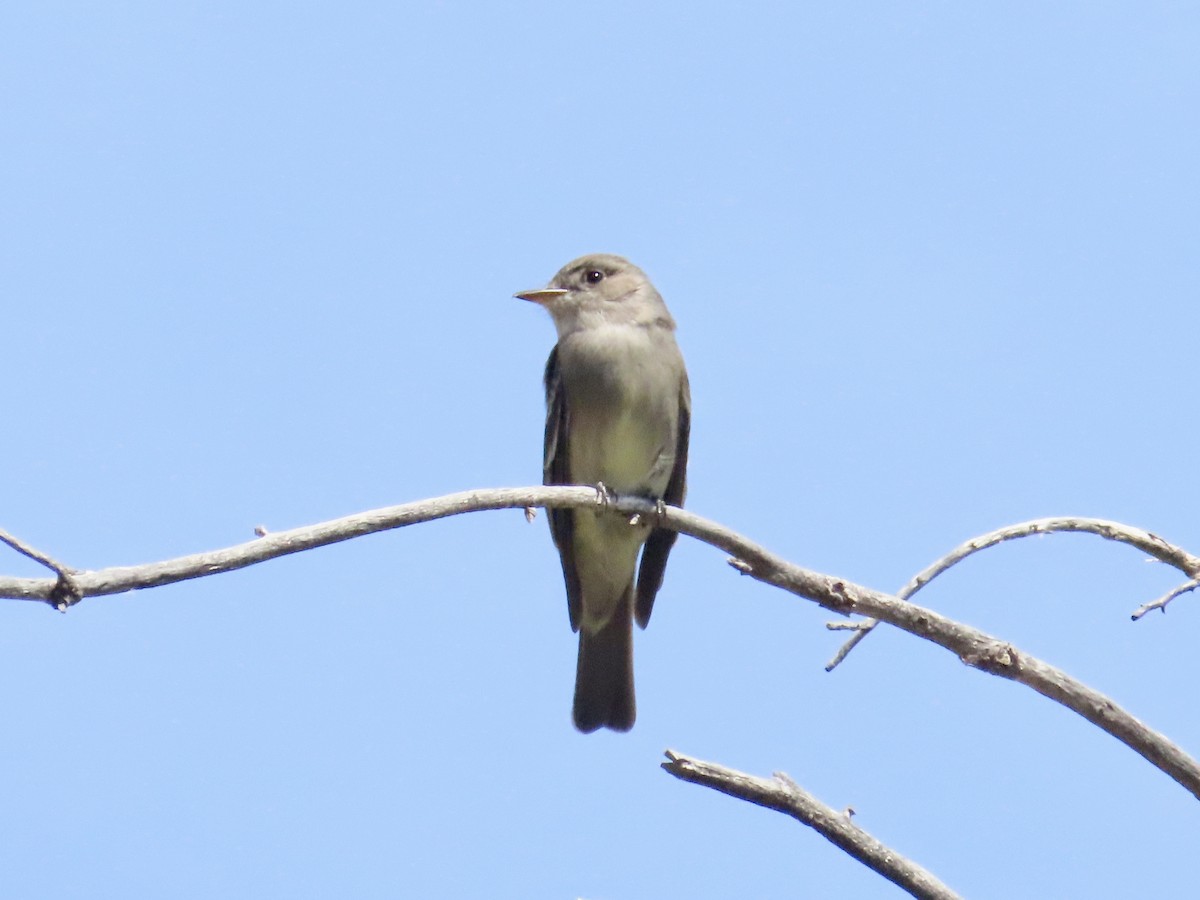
[
  {"x": 604, "y": 497},
  {"x": 660, "y": 513}
]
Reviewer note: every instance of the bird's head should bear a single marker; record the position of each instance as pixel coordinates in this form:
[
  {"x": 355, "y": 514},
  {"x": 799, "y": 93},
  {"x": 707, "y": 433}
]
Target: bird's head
[{"x": 600, "y": 289}]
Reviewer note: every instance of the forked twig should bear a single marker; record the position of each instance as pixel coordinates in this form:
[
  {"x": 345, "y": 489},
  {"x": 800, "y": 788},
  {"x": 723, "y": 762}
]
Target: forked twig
[{"x": 1113, "y": 531}]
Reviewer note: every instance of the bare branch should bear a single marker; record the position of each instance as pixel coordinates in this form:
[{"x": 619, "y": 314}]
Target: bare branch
[
  {"x": 974, "y": 647},
  {"x": 1161, "y": 602},
  {"x": 1113, "y": 531},
  {"x": 784, "y": 795}
]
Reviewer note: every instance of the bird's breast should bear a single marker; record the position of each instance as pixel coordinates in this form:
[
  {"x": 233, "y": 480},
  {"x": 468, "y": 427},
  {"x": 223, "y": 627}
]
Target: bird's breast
[{"x": 622, "y": 388}]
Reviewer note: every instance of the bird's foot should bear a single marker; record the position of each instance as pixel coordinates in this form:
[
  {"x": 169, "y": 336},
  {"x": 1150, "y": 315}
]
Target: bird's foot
[
  {"x": 660, "y": 513},
  {"x": 604, "y": 497}
]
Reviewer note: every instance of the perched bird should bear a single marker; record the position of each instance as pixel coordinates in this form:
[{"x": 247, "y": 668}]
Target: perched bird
[{"x": 618, "y": 413}]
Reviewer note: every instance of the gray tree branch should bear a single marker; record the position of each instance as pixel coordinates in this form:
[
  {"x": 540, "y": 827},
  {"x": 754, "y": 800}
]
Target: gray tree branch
[
  {"x": 974, "y": 647},
  {"x": 784, "y": 795}
]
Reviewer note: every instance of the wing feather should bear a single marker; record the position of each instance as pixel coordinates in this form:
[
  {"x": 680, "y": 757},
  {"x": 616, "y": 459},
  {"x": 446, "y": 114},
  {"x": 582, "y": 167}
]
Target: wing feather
[
  {"x": 556, "y": 470},
  {"x": 661, "y": 540}
]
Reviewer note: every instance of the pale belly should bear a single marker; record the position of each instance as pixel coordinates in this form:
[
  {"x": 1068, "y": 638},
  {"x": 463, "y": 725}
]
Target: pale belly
[
  {"x": 628, "y": 454},
  {"x": 624, "y": 417},
  {"x": 623, "y": 410}
]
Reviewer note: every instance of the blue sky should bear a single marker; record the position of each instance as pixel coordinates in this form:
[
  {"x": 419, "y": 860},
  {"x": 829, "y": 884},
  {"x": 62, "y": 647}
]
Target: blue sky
[{"x": 934, "y": 267}]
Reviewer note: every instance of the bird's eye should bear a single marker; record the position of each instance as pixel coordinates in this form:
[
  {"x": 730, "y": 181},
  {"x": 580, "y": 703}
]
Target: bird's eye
[{"x": 593, "y": 276}]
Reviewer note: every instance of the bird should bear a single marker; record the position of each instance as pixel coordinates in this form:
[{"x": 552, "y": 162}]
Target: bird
[{"x": 618, "y": 416}]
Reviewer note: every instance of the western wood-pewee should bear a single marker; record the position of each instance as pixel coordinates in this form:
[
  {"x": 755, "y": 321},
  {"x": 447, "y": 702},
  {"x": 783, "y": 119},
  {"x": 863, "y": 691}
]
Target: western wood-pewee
[{"x": 618, "y": 413}]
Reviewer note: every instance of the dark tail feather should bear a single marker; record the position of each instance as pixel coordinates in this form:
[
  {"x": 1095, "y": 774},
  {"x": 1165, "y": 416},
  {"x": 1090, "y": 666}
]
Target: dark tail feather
[{"x": 604, "y": 675}]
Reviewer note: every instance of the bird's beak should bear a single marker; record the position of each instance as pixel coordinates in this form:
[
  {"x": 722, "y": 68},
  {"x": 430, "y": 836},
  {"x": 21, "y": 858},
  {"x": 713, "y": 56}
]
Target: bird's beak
[{"x": 542, "y": 295}]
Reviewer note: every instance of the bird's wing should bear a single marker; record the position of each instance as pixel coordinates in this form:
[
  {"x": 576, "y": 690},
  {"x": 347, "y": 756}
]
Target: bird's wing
[
  {"x": 661, "y": 540},
  {"x": 556, "y": 470}
]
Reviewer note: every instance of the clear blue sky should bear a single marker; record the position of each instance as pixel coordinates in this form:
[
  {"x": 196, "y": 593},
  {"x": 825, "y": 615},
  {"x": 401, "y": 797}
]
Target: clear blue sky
[{"x": 935, "y": 269}]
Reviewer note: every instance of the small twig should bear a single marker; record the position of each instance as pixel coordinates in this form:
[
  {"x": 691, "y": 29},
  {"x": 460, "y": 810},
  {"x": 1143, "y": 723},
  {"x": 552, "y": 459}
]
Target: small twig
[
  {"x": 1161, "y": 602},
  {"x": 36, "y": 555},
  {"x": 784, "y": 795},
  {"x": 1113, "y": 531}
]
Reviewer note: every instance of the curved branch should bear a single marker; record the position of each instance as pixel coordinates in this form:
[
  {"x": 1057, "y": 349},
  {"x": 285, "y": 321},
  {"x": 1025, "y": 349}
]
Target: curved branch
[
  {"x": 1145, "y": 541},
  {"x": 974, "y": 647},
  {"x": 784, "y": 795},
  {"x": 272, "y": 545}
]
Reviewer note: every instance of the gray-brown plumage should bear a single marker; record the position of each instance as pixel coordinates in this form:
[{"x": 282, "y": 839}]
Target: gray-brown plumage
[{"x": 618, "y": 412}]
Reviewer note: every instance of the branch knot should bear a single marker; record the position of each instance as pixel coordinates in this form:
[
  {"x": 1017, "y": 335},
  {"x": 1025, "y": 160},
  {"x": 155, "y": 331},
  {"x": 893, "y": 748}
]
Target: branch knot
[{"x": 996, "y": 659}]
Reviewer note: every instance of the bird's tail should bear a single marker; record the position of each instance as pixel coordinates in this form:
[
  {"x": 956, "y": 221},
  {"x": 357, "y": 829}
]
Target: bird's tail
[{"x": 604, "y": 674}]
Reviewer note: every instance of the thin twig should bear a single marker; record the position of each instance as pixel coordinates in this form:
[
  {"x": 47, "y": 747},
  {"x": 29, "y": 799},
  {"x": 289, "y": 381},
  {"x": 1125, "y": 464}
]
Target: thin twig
[
  {"x": 1113, "y": 531},
  {"x": 36, "y": 555},
  {"x": 1161, "y": 602},
  {"x": 974, "y": 647},
  {"x": 784, "y": 795},
  {"x": 860, "y": 625}
]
